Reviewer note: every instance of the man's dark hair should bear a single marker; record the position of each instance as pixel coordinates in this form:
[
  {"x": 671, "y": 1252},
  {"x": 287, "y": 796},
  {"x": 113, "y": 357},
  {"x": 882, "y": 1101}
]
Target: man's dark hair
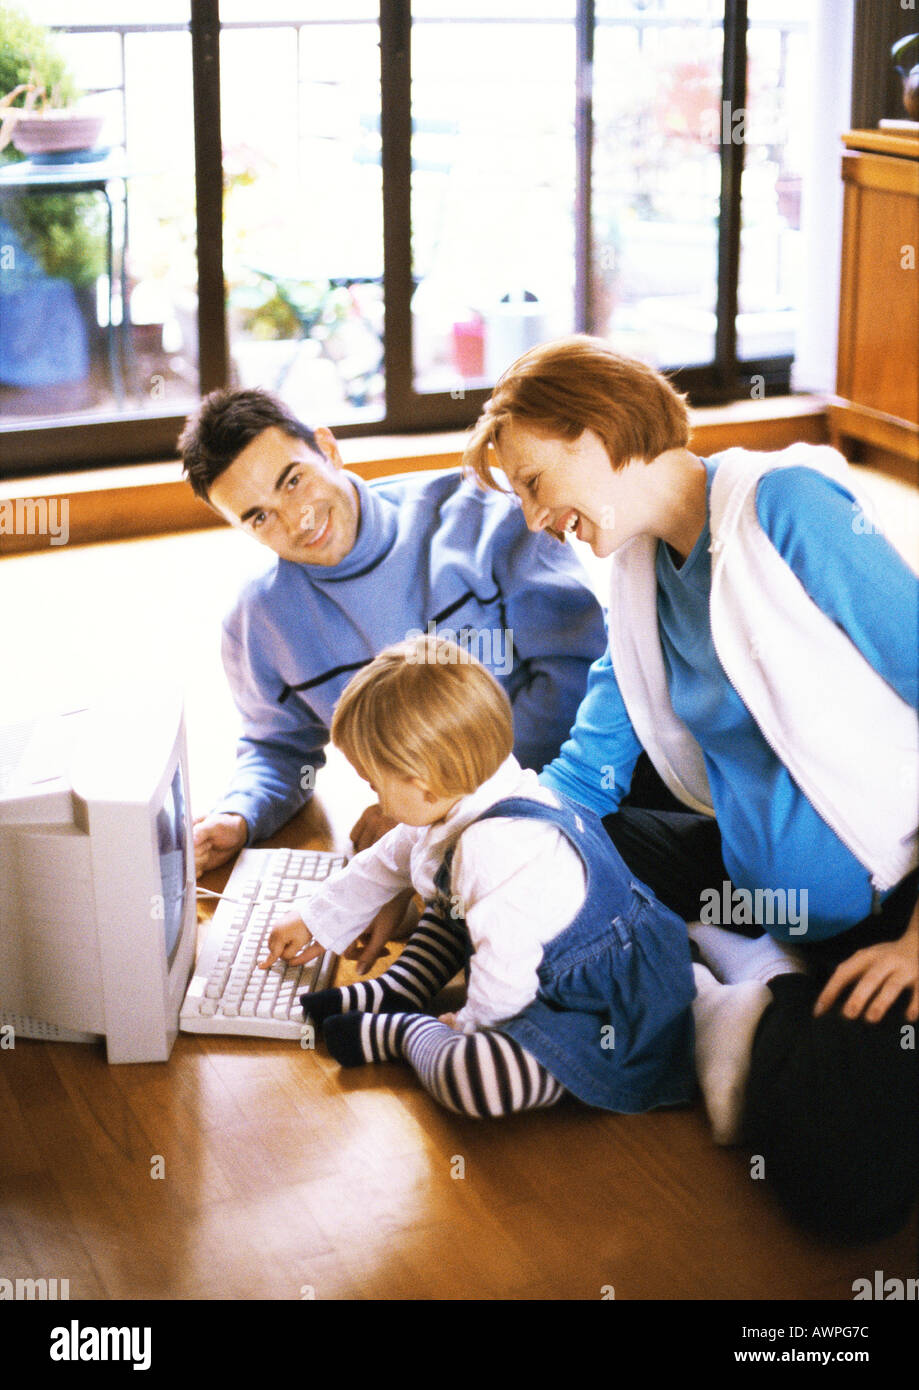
[{"x": 224, "y": 423}]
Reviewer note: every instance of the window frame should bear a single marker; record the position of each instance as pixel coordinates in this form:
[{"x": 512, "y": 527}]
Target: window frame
[{"x": 89, "y": 441}]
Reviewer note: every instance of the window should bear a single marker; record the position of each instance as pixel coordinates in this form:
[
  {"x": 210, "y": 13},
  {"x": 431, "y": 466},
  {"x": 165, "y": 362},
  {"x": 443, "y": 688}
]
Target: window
[
  {"x": 372, "y": 209},
  {"x": 303, "y": 207}
]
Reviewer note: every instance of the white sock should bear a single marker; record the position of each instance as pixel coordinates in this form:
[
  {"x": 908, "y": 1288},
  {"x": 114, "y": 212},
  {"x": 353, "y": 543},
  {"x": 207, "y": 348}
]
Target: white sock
[
  {"x": 732, "y": 957},
  {"x": 726, "y": 1018}
]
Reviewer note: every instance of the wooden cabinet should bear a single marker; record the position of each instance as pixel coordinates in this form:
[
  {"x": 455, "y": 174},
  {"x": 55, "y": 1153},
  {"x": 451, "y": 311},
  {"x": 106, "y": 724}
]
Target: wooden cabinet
[{"x": 874, "y": 416}]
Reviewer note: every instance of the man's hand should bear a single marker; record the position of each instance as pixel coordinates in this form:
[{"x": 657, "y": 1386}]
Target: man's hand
[
  {"x": 291, "y": 940},
  {"x": 217, "y": 838},
  {"x": 372, "y": 826},
  {"x": 878, "y": 975},
  {"x": 394, "y": 922}
]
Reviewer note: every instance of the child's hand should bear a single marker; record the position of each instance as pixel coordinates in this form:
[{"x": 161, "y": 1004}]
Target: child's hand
[
  {"x": 448, "y": 1019},
  {"x": 291, "y": 940},
  {"x": 394, "y": 922},
  {"x": 879, "y": 975}
]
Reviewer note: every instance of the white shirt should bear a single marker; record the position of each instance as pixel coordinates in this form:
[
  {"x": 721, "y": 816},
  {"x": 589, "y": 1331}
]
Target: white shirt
[{"x": 517, "y": 883}]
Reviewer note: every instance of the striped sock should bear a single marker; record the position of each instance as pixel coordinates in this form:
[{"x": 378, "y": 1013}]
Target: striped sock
[
  {"x": 435, "y": 951},
  {"x": 478, "y": 1074},
  {"x": 355, "y": 1038}
]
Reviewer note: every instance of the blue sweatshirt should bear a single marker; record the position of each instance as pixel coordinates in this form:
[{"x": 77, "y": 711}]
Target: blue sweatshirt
[
  {"x": 771, "y": 835},
  {"x": 434, "y": 551}
]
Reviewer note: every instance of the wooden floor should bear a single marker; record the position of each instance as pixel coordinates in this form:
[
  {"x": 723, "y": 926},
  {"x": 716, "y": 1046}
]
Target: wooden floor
[{"x": 284, "y": 1177}]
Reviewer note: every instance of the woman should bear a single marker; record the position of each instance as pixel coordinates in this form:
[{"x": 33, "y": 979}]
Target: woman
[{"x": 762, "y": 653}]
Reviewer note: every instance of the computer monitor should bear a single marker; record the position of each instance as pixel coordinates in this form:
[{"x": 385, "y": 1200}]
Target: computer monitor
[{"x": 97, "y": 897}]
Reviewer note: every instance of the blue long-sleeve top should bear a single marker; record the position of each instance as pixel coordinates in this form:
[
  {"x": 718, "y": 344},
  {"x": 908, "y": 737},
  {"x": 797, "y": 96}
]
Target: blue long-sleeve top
[
  {"x": 771, "y": 835},
  {"x": 434, "y": 551}
]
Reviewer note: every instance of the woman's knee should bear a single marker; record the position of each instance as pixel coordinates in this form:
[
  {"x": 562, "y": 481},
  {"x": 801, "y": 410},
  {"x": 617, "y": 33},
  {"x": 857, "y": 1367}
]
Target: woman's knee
[{"x": 830, "y": 1106}]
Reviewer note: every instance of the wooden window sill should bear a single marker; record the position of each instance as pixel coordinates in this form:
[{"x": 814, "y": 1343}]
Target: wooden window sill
[{"x": 122, "y": 503}]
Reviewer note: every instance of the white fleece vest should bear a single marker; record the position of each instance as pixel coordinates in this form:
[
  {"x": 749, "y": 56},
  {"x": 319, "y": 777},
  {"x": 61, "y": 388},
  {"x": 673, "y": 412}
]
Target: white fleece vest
[{"x": 849, "y": 741}]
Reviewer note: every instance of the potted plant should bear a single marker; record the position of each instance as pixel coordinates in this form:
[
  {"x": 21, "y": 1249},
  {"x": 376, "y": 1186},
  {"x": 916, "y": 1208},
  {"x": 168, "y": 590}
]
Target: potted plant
[
  {"x": 53, "y": 244},
  {"x": 41, "y": 126},
  {"x": 910, "y": 76}
]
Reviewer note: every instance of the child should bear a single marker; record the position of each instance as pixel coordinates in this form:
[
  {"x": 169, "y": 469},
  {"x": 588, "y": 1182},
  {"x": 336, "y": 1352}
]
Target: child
[{"x": 578, "y": 978}]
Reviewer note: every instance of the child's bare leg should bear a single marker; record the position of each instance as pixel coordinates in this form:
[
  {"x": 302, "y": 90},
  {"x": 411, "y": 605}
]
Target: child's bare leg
[
  {"x": 433, "y": 954},
  {"x": 479, "y": 1074}
]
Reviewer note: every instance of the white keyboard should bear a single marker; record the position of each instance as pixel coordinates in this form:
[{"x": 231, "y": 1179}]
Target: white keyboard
[{"x": 228, "y": 992}]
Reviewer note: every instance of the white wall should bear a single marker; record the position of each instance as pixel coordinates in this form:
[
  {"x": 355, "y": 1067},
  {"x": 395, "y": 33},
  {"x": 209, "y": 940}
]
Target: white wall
[{"x": 821, "y": 212}]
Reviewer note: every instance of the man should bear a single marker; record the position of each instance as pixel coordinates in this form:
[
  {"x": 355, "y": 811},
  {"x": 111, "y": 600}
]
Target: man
[{"x": 362, "y": 565}]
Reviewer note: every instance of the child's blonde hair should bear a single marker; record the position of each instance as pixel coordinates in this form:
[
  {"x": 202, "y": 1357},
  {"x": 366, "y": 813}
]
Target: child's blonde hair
[
  {"x": 575, "y": 384},
  {"x": 425, "y": 708}
]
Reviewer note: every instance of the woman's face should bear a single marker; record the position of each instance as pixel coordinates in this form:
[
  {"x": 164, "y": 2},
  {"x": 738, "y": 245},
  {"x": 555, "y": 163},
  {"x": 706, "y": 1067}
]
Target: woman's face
[{"x": 571, "y": 487}]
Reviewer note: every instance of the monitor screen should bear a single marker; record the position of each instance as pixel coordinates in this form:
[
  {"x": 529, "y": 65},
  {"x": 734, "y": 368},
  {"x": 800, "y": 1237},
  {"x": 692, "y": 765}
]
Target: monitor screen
[{"x": 173, "y": 856}]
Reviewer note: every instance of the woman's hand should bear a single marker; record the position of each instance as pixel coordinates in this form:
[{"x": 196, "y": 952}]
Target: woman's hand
[
  {"x": 370, "y": 827},
  {"x": 878, "y": 976}
]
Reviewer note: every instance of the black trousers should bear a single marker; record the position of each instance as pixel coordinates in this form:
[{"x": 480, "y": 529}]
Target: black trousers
[{"x": 832, "y": 1104}]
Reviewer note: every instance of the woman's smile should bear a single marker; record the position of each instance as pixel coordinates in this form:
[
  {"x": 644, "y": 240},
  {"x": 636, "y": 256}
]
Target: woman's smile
[{"x": 571, "y": 488}]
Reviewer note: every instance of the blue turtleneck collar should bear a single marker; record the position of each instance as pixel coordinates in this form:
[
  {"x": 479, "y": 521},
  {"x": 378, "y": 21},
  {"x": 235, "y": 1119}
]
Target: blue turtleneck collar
[{"x": 376, "y": 532}]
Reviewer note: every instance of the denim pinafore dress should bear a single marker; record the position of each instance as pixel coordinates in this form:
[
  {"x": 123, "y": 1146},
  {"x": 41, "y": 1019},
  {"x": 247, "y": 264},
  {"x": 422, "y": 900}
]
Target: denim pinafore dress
[{"x": 612, "y": 1020}]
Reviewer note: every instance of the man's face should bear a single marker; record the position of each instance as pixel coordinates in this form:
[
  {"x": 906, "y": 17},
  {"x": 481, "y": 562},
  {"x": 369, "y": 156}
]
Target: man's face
[{"x": 295, "y": 501}]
